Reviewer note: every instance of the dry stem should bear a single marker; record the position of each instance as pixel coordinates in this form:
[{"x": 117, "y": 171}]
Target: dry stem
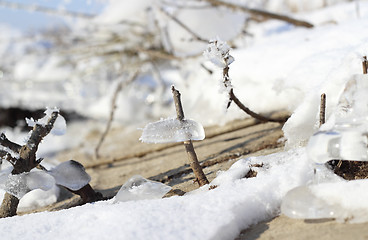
[
  {"x": 365, "y": 65},
  {"x": 322, "y": 110},
  {"x": 119, "y": 87},
  {"x": 192, "y": 156}
]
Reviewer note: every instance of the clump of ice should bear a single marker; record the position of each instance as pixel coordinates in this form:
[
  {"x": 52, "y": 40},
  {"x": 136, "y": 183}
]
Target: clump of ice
[
  {"x": 218, "y": 52},
  {"x": 172, "y": 130},
  {"x": 343, "y": 200},
  {"x": 70, "y": 174},
  {"x": 38, "y": 198},
  {"x": 139, "y": 188},
  {"x": 347, "y": 145},
  {"x": 20, "y": 184},
  {"x": 59, "y": 127}
]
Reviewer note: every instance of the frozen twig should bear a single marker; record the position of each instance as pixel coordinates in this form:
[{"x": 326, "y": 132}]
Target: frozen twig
[
  {"x": 322, "y": 110},
  {"x": 118, "y": 88},
  {"x": 192, "y": 156},
  {"x": 218, "y": 53},
  {"x": 262, "y": 13}
]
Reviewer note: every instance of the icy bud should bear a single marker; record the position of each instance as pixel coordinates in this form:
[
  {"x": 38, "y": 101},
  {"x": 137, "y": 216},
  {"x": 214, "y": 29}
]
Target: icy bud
[
  {"x": 139, "y": 188},
  {"x": 218, "y": 52},
  {"x": 172, "y": 130},
  {"x": 70, "y": 174}
]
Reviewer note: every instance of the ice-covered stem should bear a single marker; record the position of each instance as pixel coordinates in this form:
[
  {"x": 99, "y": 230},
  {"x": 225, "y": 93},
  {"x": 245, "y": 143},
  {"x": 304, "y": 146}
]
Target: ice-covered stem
[
  {"x": 365, "y": 65},
  {"x": 192, "y": 156},
  {"x": 26, "y": 161},
  {"x": 27, "y": 154},
  {"x": 322, "y": 110}
]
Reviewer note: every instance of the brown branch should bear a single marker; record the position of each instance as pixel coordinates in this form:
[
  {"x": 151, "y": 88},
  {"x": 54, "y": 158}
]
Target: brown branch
[
  {"x": 262, "y": 13},
  {"x": 4, "y": 141},
  {"x": 185, "y": 27},
  {"x": 322, "y": 110},
  {"x": 365, "y": 65},
  {"x": 118, "y": 88},
  {"x": 192, "y": 156},
  {"x": 232, "y": 97}
]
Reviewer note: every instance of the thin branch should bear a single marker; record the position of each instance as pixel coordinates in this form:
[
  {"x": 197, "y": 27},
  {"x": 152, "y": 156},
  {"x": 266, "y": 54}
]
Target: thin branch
[
  {"x": 322, "y": 110},
  {"x": 38, "y": 8},
  {"x": 365, "y": 65},
  {"x": 262, "y": 13},
  {"x": 118, "y": 88},
  {"x": 185, "y": 27},
  {"x": 4, "y": 141},
  {"x": 192, "y": 156}
]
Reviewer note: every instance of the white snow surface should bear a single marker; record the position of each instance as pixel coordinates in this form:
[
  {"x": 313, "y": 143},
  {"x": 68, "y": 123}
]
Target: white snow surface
[{"x": 220, "y": 213}]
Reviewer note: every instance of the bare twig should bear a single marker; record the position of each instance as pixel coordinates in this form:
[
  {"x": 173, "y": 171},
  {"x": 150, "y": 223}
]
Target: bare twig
[
  {"x": 38, "y": 8},
  {"x": 365, "y": 65},
  {"x": 262, "y": 13},
  {"x": 232, "y": 97},
  {"x": 322, "y": 110},
  {"x": 181, "y": 24},
  {"x": 4, "y": 141},
  {"x": 118, "y": 88},
  {"x": 192, "y": 156}
]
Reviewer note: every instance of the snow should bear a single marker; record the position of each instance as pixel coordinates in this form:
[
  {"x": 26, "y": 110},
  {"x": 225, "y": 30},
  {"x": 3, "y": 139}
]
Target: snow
[
  {"x": 218, "y": 52},
  {"x": 172, "y": 130},
  {"x": 70, "y": 174},
  {"x": 280, "y": 67},
  {"x": 210, "y": 214},
  {"x": 139, "y": 188}
]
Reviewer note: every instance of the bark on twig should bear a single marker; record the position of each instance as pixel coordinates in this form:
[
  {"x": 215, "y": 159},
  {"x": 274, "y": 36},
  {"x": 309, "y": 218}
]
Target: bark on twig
[
  {"x": 262, "y": 13},
  {"x": 119, "y": 87},
  {"x": 322, "y": 110},
  {"x": 9, "y": 206},
  {"x": 365, "y": 65},
  {"x": 192, "y": 156}
]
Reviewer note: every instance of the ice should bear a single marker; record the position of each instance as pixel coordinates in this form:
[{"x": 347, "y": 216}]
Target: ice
[
  {"x": 301, "y": 203},
  {"x": 346, "y": 145},
  {"x": 342, "y": 200},
  {"x": 139, "y": 188},
  {"x": 70, "y": 174},
  {"x": 218, "y": 52},
  {"x": 20, "y": 184},
  {"x": 172, "y": 130},
  {"x": 59, "y": 126}
]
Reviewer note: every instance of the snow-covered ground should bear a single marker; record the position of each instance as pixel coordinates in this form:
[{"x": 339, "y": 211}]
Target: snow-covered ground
[{"x": 280, "y": 67}]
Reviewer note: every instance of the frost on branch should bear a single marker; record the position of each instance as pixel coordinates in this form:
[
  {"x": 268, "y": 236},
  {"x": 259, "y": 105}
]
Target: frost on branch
[
  {"x": 218, "y": 52},
  {"x": 172, "y": 130},
  {"x": 139, "y": 188}
]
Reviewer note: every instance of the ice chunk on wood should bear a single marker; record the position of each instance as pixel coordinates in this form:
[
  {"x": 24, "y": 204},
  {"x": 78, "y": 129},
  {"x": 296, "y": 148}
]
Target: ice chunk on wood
[
  {"x": 172, "y": 130},
  {"x": 70, "y": 174},
  {"x": 20, "y": 184},
  {"x": 342, "y": 200},
  {"x": 139, "y": 188}
]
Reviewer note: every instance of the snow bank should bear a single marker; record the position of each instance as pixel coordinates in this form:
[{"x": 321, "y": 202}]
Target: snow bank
[{"x": 220, "y": 213}]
